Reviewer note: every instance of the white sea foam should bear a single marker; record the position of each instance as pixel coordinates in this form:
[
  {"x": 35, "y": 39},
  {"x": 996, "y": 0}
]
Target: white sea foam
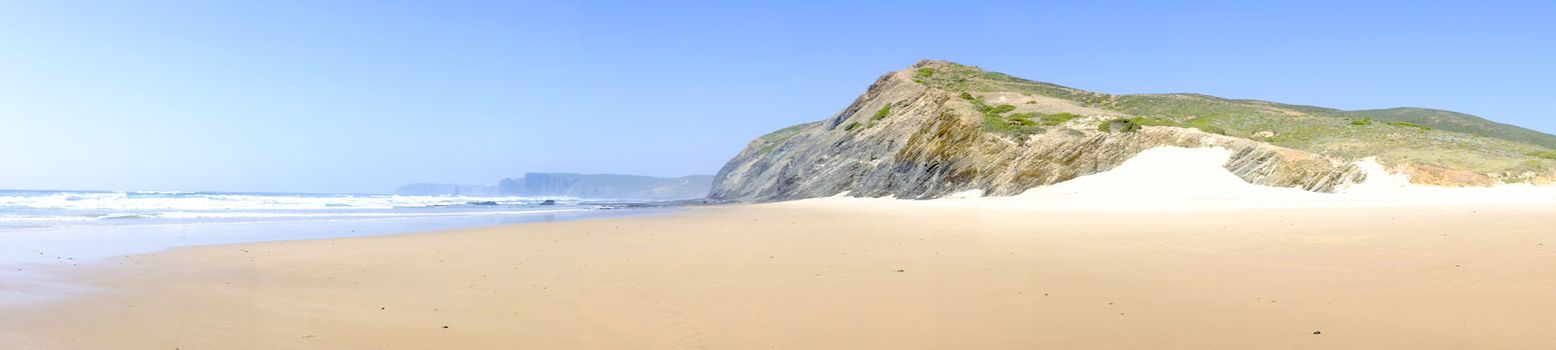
[
  {"x": 199, "y": 201},
  {"x": 46, "y": 209},
  {"x": 44, "y": 218},
  {"x": 261, "y": 215}
]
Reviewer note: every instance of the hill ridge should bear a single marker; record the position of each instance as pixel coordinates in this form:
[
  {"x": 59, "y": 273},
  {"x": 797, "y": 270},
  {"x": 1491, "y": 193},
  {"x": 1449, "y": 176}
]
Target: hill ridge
[
  {"x": 1467, "y": 123},
  {"x": 940, "y": 127}
]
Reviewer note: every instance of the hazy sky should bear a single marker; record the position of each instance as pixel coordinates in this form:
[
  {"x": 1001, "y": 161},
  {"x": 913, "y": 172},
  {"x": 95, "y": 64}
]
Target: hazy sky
[{"x": 340, "y": 96}]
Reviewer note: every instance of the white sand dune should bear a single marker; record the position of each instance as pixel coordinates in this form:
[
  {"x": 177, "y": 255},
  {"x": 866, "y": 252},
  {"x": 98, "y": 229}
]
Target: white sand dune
[
  {"x": 1384, "y": 187},
  {"x": 1176, "y": 178},
  {"x": 1167, "y": 176}
]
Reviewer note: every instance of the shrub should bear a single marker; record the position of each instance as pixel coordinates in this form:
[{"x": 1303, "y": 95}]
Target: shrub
[
  {"x": 924, "y": 72},
  {"x": 881, "y": 114},
  {"x": 1058, "y": 118},
  {"x": 1362, "y": 121},
  {"x": 1409, "y": 125},
  {"x": 1021, "y": 119},
  {"x": 967, "y": 96},
  {"x": 1120, "y": 125},
  {"x": 1149, "y": 121},
  {"x": 995, "y": 123},
  {"x": 851, "y": 126},
  {"x": 1547, "y": 154},
  {"x": 1017, "y": 125}
]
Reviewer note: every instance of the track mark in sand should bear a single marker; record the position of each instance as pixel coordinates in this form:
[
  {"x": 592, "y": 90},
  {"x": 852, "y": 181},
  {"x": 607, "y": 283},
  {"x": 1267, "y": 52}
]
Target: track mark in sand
[
  {"x": 688, "y": 333},
  {"x": 687, "y": 329}
]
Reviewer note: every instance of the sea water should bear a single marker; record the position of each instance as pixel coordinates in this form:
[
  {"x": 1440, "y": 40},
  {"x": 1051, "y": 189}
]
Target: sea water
[{"x": 73, "y": 227}]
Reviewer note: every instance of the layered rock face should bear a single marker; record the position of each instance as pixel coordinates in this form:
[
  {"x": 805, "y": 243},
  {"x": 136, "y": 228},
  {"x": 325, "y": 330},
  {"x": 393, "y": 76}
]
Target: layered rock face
[{"x": 907, "y": 139}]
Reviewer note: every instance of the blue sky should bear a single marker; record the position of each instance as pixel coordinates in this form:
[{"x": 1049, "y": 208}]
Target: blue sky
[{"x": 346, "y": 96}]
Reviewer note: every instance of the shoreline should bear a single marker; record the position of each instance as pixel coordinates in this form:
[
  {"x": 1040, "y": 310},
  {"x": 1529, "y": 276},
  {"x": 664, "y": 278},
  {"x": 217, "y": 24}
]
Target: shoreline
[
  {"x": 52, "y": 275},
  {"x": 74, "y": 244},
  {"x": 836, "y": 274}
]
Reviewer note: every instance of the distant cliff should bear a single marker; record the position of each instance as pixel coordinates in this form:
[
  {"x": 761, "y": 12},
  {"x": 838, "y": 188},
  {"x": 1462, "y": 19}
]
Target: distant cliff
[
  {"x": 938, "y": 128},
  {"x": 606, "y": 186}
]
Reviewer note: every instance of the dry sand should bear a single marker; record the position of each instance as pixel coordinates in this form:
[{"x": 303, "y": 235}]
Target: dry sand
[
  {"x": 820, "y": 274},
  {"x": 857, "y": 274}
]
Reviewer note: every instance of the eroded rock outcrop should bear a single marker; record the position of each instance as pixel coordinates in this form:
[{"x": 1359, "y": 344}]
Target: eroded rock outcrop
[{"x": 908, "y": 139}]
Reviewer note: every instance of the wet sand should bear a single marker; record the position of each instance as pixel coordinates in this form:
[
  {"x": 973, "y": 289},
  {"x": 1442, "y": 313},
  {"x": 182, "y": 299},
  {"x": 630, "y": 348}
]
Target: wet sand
[{"x": 835, "y": 274}]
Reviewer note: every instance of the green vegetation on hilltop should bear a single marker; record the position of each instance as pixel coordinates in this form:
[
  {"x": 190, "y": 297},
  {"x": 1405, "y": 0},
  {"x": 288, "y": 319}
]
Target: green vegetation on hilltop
[
  {"x": 956, "y": 77},
  {"x": 1058, "y": 118},
  {"x": 1017, "y": 125},
  {"x": 1409, "y": 125},
  {"x": 1459, "y": 122},
  {"x": 1401, "y": 135}
]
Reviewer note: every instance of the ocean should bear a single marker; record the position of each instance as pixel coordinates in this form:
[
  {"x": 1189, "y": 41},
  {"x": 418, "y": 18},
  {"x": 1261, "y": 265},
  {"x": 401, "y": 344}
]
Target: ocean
[{"x": 51, "y": 227}]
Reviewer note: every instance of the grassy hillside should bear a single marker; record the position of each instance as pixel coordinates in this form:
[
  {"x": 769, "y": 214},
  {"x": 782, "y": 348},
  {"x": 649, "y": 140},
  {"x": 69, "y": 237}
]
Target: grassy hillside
[
  {"x": 1460, "y": 122},
  {"x": 1452, "y": 148}
]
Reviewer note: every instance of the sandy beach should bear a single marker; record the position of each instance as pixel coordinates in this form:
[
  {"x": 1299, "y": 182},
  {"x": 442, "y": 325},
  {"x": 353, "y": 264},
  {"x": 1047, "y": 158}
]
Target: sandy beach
[
  {"x": 799, "y": 175},
  {"x": 834, "y": 274}
]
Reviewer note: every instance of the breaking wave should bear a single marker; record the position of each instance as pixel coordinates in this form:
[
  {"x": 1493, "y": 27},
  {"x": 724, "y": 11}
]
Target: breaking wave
[{"x": 50, "y": 208}]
